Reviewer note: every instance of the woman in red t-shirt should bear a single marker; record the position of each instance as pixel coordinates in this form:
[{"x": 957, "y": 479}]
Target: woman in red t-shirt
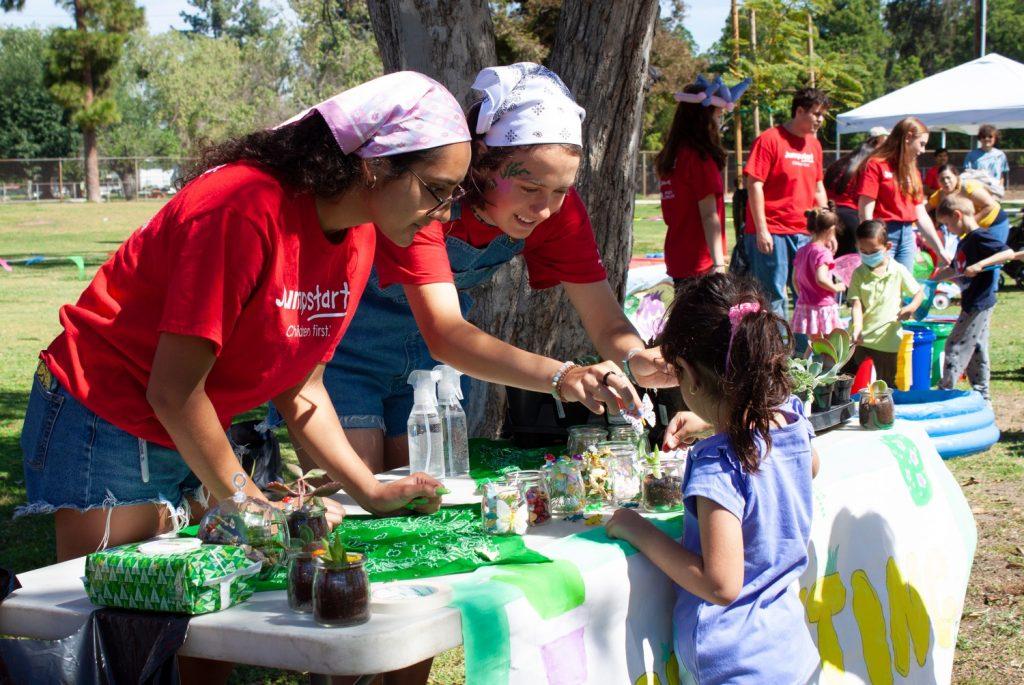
[
  {"x": 235, "y": 293},
  {"x": 841, "y": 181},
  {"x": 692, "y": 196},
  {"x": 527, "y": 137},
  {"x": 889, "y": 190}
]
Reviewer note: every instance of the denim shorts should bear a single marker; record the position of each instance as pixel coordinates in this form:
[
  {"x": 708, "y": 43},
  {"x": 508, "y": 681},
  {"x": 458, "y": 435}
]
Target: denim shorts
[{"x": 73, "y": 459}]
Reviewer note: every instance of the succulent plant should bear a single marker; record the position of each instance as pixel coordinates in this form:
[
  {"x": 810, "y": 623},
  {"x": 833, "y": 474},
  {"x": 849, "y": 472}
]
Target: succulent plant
[{"x": 300, "y": 488}]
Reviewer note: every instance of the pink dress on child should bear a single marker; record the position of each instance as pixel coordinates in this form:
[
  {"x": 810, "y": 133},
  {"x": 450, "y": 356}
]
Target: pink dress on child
[{"x": 816, "y": 311}]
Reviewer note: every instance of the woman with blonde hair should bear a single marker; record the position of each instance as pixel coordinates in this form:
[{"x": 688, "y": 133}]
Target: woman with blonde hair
[{"x": 890, "y": 190}]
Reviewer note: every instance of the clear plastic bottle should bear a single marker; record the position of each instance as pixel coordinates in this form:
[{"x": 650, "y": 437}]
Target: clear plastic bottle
[
  {"x": 426, "y": 445},
  {"x": 454, "y": 430}
]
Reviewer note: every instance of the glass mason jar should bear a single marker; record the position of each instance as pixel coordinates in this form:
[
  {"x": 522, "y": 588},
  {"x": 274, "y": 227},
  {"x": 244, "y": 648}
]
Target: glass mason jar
[
  {"x": 301, "y": 570},
  {"x": 877, "y": 410},
  {"x": 341, "y": 592},
  {"x": 662, "y": 486},
  {"x": 503, "y": 508},
  {"x": 538, "y": 500},
  {"x": 582, "y": 437},
  {"x": 623, "y": 477},
  {"x": 313, "y": 515},
  {"x": 627, "y": 434},
  {"x": 565, "y": 486}
]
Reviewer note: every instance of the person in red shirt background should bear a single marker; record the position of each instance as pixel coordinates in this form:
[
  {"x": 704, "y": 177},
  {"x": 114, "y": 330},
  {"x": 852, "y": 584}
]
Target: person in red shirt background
[
  {"x": 841, "y": 179},
  {"x": 931, "y": 177},
  {"x": 784, "y": 180},
  {"x": 889, "y": 190},
  {"x": 692, "y": 195},
  {"x": 527, "y": 144},
  {"x": 236, "y": 292}
]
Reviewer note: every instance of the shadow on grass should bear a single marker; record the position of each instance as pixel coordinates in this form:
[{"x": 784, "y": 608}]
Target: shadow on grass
[
  {"x": 1014, "y": 375},
  {"x": 1013, "y": 443}
]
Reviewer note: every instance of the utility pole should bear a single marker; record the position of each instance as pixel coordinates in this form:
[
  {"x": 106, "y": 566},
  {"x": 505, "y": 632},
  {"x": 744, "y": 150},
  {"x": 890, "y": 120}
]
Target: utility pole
[
  {"x": 980, "y": 26},
  {"x": 810, "y": 46},
  {"x": 753, "y": 54},
  {"x": 737, "y": 122}
]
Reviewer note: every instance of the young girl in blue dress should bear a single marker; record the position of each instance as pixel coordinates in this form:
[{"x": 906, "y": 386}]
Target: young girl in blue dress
[{"x": 747, "y": 492}]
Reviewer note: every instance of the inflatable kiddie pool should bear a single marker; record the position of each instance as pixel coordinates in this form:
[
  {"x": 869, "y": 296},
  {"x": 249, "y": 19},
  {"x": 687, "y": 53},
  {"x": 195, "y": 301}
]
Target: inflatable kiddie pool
[{"x": 959, "y": 422}]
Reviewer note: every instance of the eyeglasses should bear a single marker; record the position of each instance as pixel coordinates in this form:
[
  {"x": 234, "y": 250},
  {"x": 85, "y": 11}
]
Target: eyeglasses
[{"x": 442, "y": 204}]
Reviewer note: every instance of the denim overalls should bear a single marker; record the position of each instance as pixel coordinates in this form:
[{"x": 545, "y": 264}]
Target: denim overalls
[{"x": 367, "y": 378}]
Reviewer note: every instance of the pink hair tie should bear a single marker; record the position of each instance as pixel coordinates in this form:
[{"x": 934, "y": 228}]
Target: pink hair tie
[{"x": 736, "y": 314}]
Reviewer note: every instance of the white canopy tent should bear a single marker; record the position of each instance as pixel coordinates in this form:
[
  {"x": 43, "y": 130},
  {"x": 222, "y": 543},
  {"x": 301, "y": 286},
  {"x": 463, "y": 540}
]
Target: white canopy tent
[{"x": 987, "y": 90}]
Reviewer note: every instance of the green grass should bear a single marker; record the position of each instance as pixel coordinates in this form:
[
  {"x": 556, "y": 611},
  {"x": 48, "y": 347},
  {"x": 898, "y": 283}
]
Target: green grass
[
  {"x": 30, "y": 297},
  {"x": 649, "y": 229}
]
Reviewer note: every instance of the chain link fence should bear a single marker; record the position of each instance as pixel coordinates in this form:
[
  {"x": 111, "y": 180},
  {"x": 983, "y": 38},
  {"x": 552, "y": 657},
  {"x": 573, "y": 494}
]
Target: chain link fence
[{"x": 63, "y": 178}]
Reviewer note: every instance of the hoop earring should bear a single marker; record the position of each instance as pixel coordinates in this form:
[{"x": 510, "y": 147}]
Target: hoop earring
[{"x": 372, "y": 184}]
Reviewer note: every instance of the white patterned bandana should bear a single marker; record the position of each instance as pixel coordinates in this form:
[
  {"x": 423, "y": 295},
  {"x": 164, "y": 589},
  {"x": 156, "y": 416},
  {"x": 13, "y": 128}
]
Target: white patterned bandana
[{"x": 526, "y": 104}]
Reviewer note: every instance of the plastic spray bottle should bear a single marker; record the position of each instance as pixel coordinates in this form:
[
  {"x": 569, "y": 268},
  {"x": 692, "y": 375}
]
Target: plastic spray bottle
[
  {"x": 426, "y": 444},
  {"x": 453, "y": 421}
]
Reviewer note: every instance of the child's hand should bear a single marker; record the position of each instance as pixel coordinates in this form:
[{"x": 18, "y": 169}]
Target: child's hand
[
  {"x": 626, "y": 524},
  {"x": 682, "y": 430},
  {"x": 906, "y": 312},
  {"x": 855, "y": 335},
  {"x": 839, "y": 286},
  {"x": 972, "y": 271}
]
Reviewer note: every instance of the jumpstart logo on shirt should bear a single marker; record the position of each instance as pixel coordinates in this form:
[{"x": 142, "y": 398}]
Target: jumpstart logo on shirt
[
  {"x": 314, "y": 305},
  {"x": 801, "y": 159}
]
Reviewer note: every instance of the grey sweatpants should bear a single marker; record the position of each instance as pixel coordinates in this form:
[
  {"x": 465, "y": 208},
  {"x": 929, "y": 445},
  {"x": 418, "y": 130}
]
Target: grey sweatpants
[{"x": 967, "y": 349}]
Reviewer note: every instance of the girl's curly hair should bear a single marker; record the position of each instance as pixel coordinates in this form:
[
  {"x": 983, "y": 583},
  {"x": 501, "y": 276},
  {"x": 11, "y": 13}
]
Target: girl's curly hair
[{"x": 755, "y": 379}]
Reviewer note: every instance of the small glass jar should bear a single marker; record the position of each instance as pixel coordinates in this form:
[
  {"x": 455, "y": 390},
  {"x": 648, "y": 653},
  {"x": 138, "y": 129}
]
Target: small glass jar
[
  {"x": 538, "y": 499},
  {"x": 565, "y": 486},
  {"x": 312, "y": 515},
  {"x": 503, "y": 508},
  {"x": 341, "y": 592},
  {"x": 877, "y": 410},
  {"x": 582, "y": 437},
  {"x": 301, "y": 570},
  {"x": 628, "y": 434},
  {"x": 623, "y": 477},
  {"x": 662, "y": 486}
]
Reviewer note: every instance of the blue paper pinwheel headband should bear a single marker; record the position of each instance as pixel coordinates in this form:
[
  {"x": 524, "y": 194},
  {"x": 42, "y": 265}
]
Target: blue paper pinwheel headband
[{"x": 715, "y": 93}]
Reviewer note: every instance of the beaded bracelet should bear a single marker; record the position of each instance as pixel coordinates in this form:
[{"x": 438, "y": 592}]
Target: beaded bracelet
[{"x": 556, "y": 386}]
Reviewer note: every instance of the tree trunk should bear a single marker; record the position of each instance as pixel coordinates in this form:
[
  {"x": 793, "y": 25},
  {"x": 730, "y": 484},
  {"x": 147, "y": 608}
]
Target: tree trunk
[
  {"x": 610, "y": 84},
  {"x": 448, "y": 40},
  {"x": 92, "y": 165}
]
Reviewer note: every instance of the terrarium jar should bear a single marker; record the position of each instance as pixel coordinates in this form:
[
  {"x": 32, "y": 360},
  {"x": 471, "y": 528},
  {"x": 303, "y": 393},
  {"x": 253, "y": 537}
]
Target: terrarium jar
[
  {"x": 301, "y": 570},
  {"x": 877, "y": 410},
  {"x": 662, "y": 486},
  {"x": 255, "y": 526},
  {"x": 565, "y": 485},
  {"x": 629, "y": 434},
  {"x": 582, "y": 437},
  {"x": 538, "y": 500},
  {"x": 623, "y": 478},
  {"x": 503, "y": 509},
  {"x": 341, "y": 592},
  {"x": 313, "y": 515}
]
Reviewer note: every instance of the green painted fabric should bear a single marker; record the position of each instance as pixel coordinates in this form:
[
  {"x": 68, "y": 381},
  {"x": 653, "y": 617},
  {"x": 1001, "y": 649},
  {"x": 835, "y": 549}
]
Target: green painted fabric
[
  {"x": 492, "y": 459},
  {"x": 124, "y": 577}
]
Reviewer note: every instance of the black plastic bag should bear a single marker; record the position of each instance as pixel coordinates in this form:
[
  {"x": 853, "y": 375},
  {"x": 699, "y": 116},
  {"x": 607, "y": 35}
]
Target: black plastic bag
[
  {"x": 257, "y": 447},
  {"x": 114, "y": 647}
]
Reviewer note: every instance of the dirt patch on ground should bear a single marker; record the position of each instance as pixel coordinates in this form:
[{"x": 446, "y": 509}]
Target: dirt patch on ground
[{"x": 990, "y": 646}]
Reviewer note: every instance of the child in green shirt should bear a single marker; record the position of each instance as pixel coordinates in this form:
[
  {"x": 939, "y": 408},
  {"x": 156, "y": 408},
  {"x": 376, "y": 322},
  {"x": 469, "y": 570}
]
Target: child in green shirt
[{"x": 875, "y": 294}]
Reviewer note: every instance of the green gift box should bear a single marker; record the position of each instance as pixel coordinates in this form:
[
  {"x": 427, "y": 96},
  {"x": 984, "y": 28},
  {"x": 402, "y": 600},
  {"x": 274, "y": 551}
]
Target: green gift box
[{"x": 193, "y": 581}]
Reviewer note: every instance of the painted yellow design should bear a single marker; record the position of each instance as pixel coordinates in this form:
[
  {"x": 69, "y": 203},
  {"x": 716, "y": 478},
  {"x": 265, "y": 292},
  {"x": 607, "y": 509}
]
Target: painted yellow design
[
  {"x": 933, "y": 573},
  {"x": 826, "y": 598},
  {"x": 594, "y": 520},
  {"x": 648, "y": 679},
  {"x": 672, "y": 670},
  {"x": 908, "y": 620},
  {"x": 871, "y": 624}
]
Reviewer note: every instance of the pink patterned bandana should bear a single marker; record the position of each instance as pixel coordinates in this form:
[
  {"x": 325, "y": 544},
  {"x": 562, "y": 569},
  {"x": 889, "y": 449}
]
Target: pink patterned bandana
[{"x": 396, "y": 113}]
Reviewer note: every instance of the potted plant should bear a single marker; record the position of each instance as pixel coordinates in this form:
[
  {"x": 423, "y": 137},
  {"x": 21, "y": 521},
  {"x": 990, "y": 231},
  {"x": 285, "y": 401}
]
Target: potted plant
[
  {"x": 306, "y": 508},
  {"x": 341, "y": 587},
  {"x": 301, "y": 570},
  {"x": 804, "y": 373},
  {"x": 838, "y": 349},
  {"x": 877, "y": 411},
  {"x": 662, "y": 485}
]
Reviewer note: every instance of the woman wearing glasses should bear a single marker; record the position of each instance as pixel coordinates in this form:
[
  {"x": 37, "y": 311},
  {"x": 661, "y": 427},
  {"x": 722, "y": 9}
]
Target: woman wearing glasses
[
  {"x": 236, "y": 292},
  {"x": 527, "y": 138}
]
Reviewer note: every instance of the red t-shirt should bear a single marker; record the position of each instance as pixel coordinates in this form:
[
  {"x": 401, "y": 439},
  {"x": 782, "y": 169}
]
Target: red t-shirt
[
  {"x": 931, "y": 178},
  {"x": 790, "y": 167},
  {"x": 849, "y": 197},
  {"x": 234, "y": 258},
  {"x": 561, "y": 249},
  {"x": 693, "y": 179},
  {"x": 878, "y": 182}
]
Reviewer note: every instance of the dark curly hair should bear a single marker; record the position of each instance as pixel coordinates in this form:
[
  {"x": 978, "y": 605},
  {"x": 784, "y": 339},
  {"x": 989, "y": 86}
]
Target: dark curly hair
[
  {"x": 693, "y": 127},
  {"x": 756, "y": 380},
  {"x": 491, "y": 158},
  {"x": 305, "y": 157}
]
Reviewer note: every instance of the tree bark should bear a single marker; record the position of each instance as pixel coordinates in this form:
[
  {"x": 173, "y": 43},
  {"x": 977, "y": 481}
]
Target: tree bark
[
  {"x": 448, "y": 40},
  {"x": 609, "y": 82},
  {"x": 90, "y": 150}
]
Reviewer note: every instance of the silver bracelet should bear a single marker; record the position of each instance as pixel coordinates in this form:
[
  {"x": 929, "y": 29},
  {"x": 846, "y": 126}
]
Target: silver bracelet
[{"x": 625, "y": 364}]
